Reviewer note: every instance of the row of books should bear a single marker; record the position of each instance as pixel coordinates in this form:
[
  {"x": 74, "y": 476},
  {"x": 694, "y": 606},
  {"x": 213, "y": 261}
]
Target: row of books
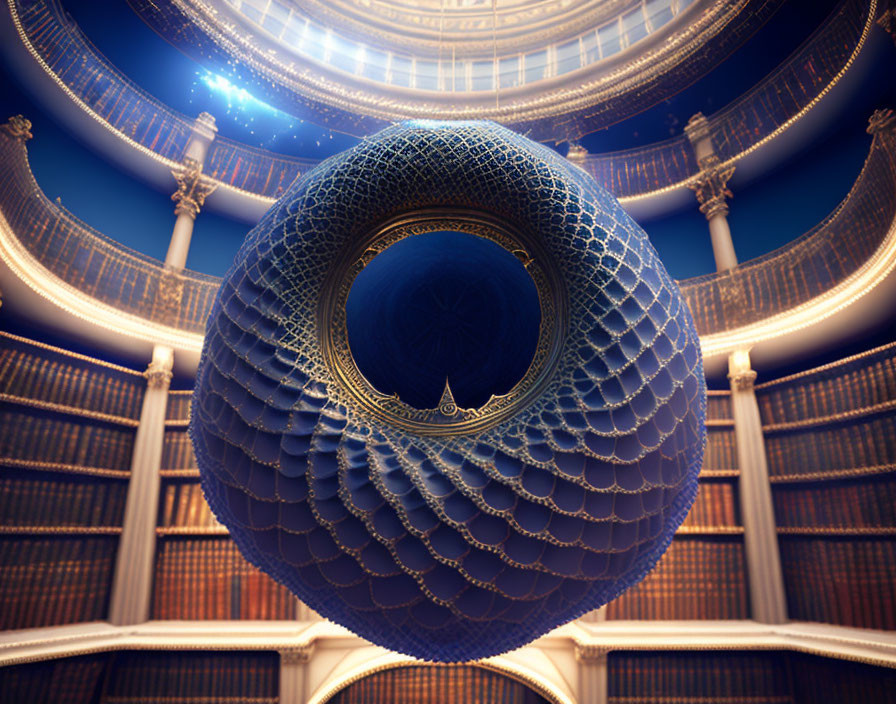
[
  {"x": 177, "y": 451},
  {"x": 699, "y": 577},
  {"x": 445, "y": 684},
  {"x": 845, "y": 581},
  {"x": 31, "y": 499},
  {"x": 721, "y": 449},
  {"x": 715, "y": 505},
  {"x": 179, "y": 405},
  {"x": 864, "y": 442},
  {"x": 31, "y": 434},
  {"x": 821, "y": 679},
  {"x": 72, "y": 680},
  {"x": 864, "y": 502},
  {"x": 865, "y": 382},
  {"x": 744, "y": 677},
  {"x": 56, "y": 580},
  {"x": 207, "y": 578},
  {"x": 173, "y": 677},
  {"x": 707, "y": 676},
  {"x": 183, "y": 504},
  {"x": 33, "y": 372},
  {"x": 145, "y": 677},
  {"x": 718, "y": 405}
]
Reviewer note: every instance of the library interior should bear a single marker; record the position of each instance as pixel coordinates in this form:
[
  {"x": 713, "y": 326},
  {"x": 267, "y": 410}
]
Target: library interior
[{"x": 448, "y": 351}]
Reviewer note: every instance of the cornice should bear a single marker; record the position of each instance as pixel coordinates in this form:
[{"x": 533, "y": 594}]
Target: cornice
[{"x": 873, "y": 647}]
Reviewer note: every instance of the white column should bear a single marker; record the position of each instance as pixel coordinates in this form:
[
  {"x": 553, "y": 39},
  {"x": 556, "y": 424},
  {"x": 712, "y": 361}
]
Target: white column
[
  {"x": 192, "y": 189},
  {"x": 577, "y": 154},
  {"x": 293, "y": 674},
  {"x": 768, "y": 601},
  {"x": 593, "y": 681},
  {"x": 132, "y": 584},
  {"x": 722, "y": 244},
  {"x": 711, "y": 190},
  {"x": 201, "y": 137}
]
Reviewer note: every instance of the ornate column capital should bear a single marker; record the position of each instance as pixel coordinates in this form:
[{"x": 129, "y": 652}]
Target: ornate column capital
[
  {"x": 591, "y": 653},
  {"x": 711, "y": 186},
  {"x": 192, "y": 189},
  {"x": 18, "y": 127},
  {"x": 299, "y": 655},
  {"x": 881, "y": 121},
  {"x": 697, "y": 128},
  {"x": 577, "y": 153},
  {"x": 158, "y": 373},
  {"x": 158, "y": 376},
  {"x": 743, "y": 381},
  {"x": 740, "y": 371},
  {"x": 206, "y": 119}
]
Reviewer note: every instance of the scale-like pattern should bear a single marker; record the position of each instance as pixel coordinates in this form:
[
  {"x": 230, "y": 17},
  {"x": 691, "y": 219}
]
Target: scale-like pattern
[{"x": 459, "y": 547}]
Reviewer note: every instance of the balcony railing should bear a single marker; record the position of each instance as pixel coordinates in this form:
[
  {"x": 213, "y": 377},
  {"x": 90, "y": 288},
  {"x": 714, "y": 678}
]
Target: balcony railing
[
  {"x": 809, "y": 266},
  {"x": 767, "y": 286},
  {"x": 781, "y": 99},
  {"x": 93, "y": 263}
]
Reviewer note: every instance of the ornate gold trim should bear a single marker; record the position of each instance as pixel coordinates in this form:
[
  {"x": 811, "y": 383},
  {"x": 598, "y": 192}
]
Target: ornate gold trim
[
  {"x": 74, "y": 355},
  {"x": 446, "y": 418},
  {"x": 825, "y": 367},
  {"x": 69, "y": 410},
  {"x": 300, "y": 655},
  {"x": 832, "y": 474},
  {"x": 832, "y": 418}
]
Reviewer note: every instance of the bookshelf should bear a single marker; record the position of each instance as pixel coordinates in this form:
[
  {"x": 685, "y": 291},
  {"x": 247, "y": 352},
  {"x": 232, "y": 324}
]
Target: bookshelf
[
  {"x": 67, "y": 426},
  {"x": 831, "y": 440},
  {"x": 147, "y": 677},
  {"x": 743, "y": 677}
]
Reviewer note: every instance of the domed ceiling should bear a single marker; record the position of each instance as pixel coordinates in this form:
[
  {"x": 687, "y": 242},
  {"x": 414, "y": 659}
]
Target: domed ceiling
[{"x": 555, "y": 68}]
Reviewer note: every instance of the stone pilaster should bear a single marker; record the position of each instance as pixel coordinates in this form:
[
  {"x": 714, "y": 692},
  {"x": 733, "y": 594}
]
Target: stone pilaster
[
  {"x": 293, "y": 674},
  {"x": 768, "y": 600},
  {"x": 593, "y": 681},
  {"x": 132, "y": 583}
]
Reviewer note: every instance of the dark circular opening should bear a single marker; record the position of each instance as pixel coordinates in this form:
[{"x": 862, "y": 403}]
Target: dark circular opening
[{"x": 443, "y": 306}]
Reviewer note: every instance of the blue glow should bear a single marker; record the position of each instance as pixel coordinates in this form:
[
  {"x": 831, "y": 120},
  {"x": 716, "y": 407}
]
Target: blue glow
[{"x": 235, "y": 94}]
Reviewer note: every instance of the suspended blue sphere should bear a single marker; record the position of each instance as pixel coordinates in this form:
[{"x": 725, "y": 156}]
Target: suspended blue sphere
[{"x": 547, "y": 474}]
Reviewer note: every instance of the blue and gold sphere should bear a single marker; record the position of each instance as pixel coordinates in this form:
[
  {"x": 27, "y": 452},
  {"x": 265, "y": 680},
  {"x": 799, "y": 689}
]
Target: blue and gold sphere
[{"x": 458, "y": 520}]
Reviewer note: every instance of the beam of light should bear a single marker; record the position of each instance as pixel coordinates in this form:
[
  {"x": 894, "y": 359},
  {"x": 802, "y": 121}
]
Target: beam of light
[{"x": 237, "y": 96}]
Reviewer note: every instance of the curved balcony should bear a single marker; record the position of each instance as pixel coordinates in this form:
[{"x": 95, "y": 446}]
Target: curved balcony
[
  {"x": 754, "y": 119},
  {"x": 781, "y": 100},
  {"x": 815, "y": 276},
  {"x": 810, "y": 267},
  {"x": 58, "y": 246},
  {"x": 79, "y": 69}
]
